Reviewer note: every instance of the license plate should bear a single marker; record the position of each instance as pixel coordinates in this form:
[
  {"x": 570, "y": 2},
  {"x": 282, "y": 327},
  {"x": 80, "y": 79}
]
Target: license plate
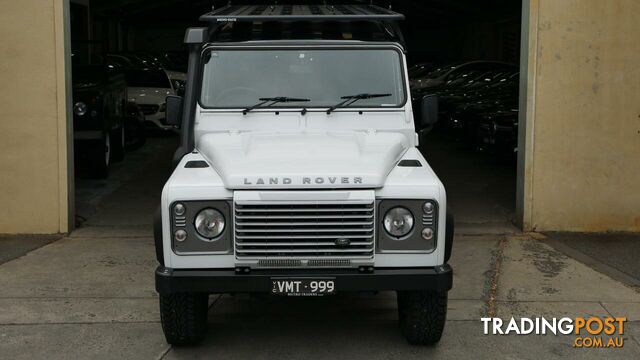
[{"x": 303, "y": 286}]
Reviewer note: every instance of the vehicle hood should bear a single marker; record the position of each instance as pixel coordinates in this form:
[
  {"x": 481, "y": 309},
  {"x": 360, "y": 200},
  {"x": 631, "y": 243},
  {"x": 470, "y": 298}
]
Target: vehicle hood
[
  {"x": 303, "y": 159},
  {"x": 150, "y": 95}
]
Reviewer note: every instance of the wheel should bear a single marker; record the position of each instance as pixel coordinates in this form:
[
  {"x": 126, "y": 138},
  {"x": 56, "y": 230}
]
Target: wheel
[
  {"x": 184, "y": 317},
  {"x": 100, "y": 157},
  {"x": 118, "y": 145},
  {"x": 422, "y": 316}
]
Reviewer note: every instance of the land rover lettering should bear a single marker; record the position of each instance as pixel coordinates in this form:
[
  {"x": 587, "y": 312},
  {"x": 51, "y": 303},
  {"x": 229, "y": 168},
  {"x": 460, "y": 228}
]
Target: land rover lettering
[{"x": 303, "y": 180}]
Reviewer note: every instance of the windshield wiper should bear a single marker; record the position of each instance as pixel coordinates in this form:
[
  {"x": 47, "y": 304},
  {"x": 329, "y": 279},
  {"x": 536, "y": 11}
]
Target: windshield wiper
[
  {"x": 268, "y": 101},
  {"x": 350, "y": 99}
]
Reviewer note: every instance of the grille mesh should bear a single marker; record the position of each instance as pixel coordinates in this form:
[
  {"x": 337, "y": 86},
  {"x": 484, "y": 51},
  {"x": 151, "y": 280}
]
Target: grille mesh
[{"x": 305, "y": 231}]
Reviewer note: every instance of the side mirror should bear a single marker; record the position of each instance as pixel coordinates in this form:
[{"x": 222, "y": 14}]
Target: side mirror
[
  {"x": 428, "y": 111},
  {"x": 174, "y": 110}
]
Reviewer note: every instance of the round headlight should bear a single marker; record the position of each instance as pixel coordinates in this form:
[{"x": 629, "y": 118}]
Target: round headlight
[
  {"x": 80, "y": 108},
  {"x": 209, "y": 223},
  {"x": 398, "y": 221}
]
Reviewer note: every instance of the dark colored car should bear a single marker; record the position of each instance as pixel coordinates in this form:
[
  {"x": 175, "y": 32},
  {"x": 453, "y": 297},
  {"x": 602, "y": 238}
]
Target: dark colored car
[
  {"x": 136, "y": 61},
  {"x": 477, "y": 102},
  {"x": 462, "y": 111},
  {"x": 498, "y": 132},
  {"x": 99, "y": 113},
  {"x": 177, "y": 60},
  {"x": 443, "y": 75}
]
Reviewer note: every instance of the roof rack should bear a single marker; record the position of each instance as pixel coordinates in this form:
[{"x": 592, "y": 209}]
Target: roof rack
[{"x": 290, "y": 13}]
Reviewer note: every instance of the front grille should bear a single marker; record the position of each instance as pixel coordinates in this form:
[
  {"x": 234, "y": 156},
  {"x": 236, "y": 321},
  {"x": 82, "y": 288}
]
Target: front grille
[
  {"x": 308, "y": 231},
  {"x": 149, "y": 109}
]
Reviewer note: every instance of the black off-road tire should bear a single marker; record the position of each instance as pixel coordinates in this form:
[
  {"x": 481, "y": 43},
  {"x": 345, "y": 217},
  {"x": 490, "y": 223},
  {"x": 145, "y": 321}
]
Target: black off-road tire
[
  {"x": 136, "y": 134},
  {"x": 184, "y": 317},
  {"x": 422, "y": 316},
  {"x": 99, "y": 157}
]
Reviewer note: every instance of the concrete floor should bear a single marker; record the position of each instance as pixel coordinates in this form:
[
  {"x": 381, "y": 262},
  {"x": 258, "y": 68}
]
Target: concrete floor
[
  {"x": 91, "y": 295},
  {"x": 615, "y": 254}
]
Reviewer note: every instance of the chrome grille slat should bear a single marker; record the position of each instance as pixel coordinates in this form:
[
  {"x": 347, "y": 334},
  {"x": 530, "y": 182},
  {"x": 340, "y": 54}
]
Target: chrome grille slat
[
  {"x": 302, "y": 237},
  {"x": 319, "y": 223},
  {"x": 250, "y": 217},
  {"x": 272, "y": 243},
  {"x": 293, "y": 229},
  {"x": 304, "y": 230},
  {"x": 310, "y": 210},
  {"x": 306, "y": 251}
]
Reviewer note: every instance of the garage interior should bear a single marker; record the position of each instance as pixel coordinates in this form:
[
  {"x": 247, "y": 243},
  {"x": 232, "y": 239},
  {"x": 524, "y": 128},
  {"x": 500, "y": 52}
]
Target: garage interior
[{"x": 480, "y": 181}]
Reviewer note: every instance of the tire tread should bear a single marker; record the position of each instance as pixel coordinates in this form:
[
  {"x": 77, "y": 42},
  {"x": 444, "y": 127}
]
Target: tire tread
[
  {"x": 184, "y": 317},
  {"x": 422, "y": 316}
]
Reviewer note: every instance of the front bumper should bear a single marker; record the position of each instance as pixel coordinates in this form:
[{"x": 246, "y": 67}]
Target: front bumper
[{"x": 168, "y": 281}]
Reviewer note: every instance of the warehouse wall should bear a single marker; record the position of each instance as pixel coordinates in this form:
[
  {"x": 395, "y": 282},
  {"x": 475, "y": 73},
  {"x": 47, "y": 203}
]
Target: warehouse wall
[
  {"x": 582, "y": 130},
  {"x": 33, "y": 123}
]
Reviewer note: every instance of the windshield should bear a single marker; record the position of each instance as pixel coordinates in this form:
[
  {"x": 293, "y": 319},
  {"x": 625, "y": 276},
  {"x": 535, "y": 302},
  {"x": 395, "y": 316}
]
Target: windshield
[
  {"x": 147, "y": 78},
  {"x": 237, "y": 78}
]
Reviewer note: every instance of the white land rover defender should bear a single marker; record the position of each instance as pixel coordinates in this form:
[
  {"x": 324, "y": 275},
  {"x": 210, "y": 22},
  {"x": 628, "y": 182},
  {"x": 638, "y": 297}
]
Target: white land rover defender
[{"x": 298, "y": 173}]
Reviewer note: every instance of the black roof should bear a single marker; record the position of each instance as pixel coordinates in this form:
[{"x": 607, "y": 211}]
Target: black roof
[{"x": 284, "y": 13}]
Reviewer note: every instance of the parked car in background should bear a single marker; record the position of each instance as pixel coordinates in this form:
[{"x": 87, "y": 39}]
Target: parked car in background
[
  {"x": 464, "y": 109},
  {"x": 99, "y": 111},
  {"x": 177, "y": 60},
  {"x": 149, "y": 88},
  {"x": 477, "y": 102},
  {"x": 441, "y": 76},
  {"x": 418, "y": 71},
  {"x": 498, "y": 132},
  {"x": 136, "y": 60},
  {"x": 121, "y": 62}
]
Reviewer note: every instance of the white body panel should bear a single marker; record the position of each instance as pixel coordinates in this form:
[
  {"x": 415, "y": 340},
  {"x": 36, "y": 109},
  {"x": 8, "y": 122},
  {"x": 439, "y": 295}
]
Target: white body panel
[
  {"x": 303, "y": 159},
  {"x": 205, "y": 184},
  {"x": 284, "y": 143}
]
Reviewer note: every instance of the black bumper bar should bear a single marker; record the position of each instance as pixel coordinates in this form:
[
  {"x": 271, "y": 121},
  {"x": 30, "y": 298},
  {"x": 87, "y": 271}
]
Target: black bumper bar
[{"x": 212, "y": 281}]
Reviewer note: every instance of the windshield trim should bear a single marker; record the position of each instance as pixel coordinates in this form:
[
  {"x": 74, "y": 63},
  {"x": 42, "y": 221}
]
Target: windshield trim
[{"x": 306, "y": 46}]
